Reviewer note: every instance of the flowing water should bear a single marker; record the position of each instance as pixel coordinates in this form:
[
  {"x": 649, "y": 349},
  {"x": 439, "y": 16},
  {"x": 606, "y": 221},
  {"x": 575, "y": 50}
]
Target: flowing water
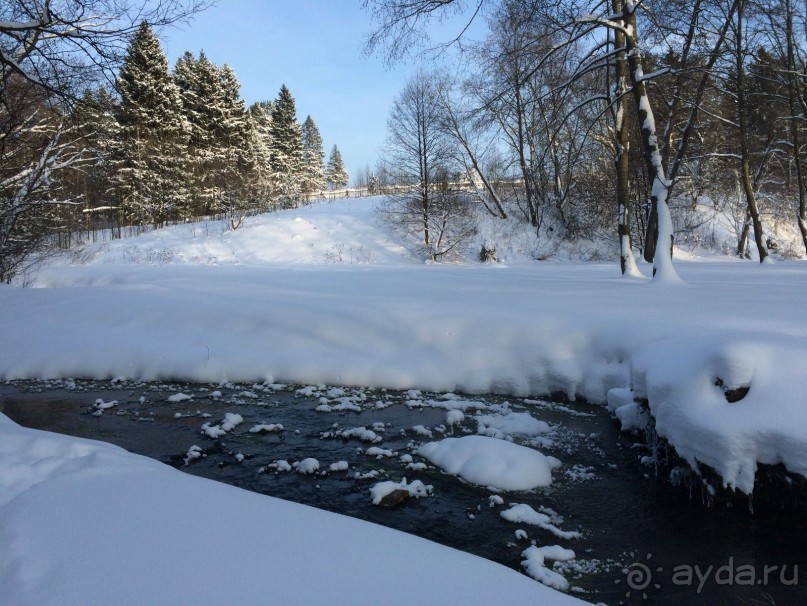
[{"x": 643, "y": 540}]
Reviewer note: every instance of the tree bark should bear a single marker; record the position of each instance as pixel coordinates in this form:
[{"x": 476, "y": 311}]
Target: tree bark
[
  {"x": 795, "y": 134},
  {"x": 660, "y": 212},
  {"x": 745, "y": 167},
  {"x": 627, "y": 264}
]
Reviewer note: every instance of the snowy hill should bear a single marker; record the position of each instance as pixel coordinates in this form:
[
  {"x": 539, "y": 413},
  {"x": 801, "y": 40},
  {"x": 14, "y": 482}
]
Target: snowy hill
[{"x": 325, "y": 294}]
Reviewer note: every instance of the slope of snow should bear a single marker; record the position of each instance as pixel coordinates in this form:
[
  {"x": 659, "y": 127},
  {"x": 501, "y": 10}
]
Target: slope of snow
[
  {"x": 325, "y": 294},
  {"x": 82, "y": 522}
]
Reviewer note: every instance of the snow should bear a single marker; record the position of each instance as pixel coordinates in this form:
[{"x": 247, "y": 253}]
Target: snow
[
  {"x": 339, "y": 466},
  {"x": 230, "y": 422},
  {"x": 83, "y": 522},
  {"x": 306, "y": 466},
  {"x": 179, "y": 397},
  {"x": 521, "y": 512},
  {"x": 522, "y": 423},
  {"x": 535, "y": 564},
  {"x": 266, "y": 428},
  {"x": 274, "y": 308},
  {"x": 379, "y": 453},
  {"x": 273, "y": 302},
  {"x": 415, "y": 489},
  {"x": 490, "y": 462},
  {"x": 454, "y": 417}
]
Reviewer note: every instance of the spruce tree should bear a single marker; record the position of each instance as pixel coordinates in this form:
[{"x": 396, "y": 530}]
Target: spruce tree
[
  {"x": 313, "y": 177},
  {"x": 287, "y": 146},
  {"x": 259, "y": 146},
  {"x": 148, "y": 171},
  {"x": 97, "y": 127},
  {"x": 196, "y": 79},
  {"x": 233, "y": 162},
  {"x": 335, "y": 173},
  {"x": 214, "y": 110}
]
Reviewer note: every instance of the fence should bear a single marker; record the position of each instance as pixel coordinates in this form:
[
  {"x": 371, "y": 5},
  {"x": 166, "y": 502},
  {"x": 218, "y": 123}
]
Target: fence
[{"x": 105, "y": 223}]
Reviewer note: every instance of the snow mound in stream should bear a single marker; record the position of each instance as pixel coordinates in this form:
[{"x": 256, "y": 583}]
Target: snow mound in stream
[{"x": 490, "y": 462}]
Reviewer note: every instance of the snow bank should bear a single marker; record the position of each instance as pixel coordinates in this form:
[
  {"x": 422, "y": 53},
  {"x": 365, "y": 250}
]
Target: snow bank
[
  {"x": 275, "y": 306},
  {"x": 768, "y": 425},
  {"x": 83, "y": 522},
  {"x": 490, "y": 462}
]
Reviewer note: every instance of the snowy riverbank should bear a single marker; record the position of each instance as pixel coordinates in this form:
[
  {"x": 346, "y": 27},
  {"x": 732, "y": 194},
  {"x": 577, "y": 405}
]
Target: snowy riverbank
[
  {"x": 86, "y": 523},
  {"x": 325, "y": 294}
]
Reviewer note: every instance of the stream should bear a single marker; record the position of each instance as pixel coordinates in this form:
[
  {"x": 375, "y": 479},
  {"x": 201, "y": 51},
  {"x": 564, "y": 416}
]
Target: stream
[{"x": 643, "y": 539}]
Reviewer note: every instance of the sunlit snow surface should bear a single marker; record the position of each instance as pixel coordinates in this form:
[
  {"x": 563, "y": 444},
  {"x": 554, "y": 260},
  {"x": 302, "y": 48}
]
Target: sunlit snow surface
[
  {"x": 490, "y": 462},
  {"x": 85, "y": 523},
  {"x": 325, "y": 294}
]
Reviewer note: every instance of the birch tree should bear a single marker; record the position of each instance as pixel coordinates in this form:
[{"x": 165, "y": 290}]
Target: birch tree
[{"x": 553, "y": 28}]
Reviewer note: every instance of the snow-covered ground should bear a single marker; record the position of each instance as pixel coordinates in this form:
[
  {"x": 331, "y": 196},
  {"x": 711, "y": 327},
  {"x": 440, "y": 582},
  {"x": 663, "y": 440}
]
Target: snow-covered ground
[
  {"x": 83, "y": 523},
  {"x": 326, "y": 294}
]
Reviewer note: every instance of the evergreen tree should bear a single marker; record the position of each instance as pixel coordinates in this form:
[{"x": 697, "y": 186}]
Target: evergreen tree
[
  {"x": 259, "y": 147},
  {"x": 97, "y": 127},
  {"x": 196, "y": 79},
  {"x": 287, "y": 146},
  {"x": 148, "y": 171},
  {"x": 219, "y": 132},
  {"x": 335, "y": 173},
  {"x": 313, "y": 177},
  {"x": 233, "y": 162}
]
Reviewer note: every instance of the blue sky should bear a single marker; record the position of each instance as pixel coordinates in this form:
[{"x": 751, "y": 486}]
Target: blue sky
[{"x": 315, "y": 48}]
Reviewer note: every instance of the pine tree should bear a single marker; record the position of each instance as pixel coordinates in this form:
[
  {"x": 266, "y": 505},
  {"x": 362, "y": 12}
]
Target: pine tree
[
  {"x": 196, "y": 79},
  {"x": 335, "y": 173},
  {"x": 313, "y": 178},
  {"x": 287, "y": 146},
  {"x": 148, "y": 178}
]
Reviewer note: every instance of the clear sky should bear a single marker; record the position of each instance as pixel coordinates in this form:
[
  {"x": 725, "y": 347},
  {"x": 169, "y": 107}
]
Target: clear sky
[{"x": 315, "y": 48}]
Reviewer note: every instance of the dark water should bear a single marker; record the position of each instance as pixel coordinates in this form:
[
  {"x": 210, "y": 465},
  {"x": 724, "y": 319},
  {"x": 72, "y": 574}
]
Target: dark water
[{"x": 630, "y": 520}]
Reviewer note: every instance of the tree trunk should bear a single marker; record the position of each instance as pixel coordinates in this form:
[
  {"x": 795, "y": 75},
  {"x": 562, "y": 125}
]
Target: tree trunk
[
  {"x": 742, "y": 241},
  {"x": 627, "y": 264},
  {"x": 745, "y": 168},
  {"x": 660, "y": 212},
  {"x": 523, "y": 163},
  {"x": 795, "y": 135}
]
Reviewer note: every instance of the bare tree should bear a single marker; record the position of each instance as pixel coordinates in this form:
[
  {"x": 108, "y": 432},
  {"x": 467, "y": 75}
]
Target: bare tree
[
  {"x": 740, "y": 51},
  {"x": 35, "y": 144},
  {"x": 464, "y": 126},
  {"x": 418, "y": 155},
  {"x": 785, "y": 26},
  {"x": 64, "y": 45}
]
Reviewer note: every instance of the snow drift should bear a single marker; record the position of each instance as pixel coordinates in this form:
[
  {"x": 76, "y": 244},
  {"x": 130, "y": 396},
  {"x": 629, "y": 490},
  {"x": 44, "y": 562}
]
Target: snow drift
[{"x": 325, "y": 294}]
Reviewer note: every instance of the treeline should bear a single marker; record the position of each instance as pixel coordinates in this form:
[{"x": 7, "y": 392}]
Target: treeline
[
  {"x": 623, "y": 118},
  {"x": 180, "y": 144},
  {"x": 164, "y": 145}
]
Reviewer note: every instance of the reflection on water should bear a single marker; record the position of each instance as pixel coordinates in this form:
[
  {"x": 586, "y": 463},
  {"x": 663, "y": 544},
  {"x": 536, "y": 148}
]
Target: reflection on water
[{"x": 643, "y": 541}]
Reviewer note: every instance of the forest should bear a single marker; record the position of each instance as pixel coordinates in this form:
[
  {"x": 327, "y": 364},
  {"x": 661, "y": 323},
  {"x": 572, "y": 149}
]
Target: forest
[
  {"x": 637, "y": 119},
  {"x": 159, "y": 146},
  {"x": 634, "y": 121}
]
